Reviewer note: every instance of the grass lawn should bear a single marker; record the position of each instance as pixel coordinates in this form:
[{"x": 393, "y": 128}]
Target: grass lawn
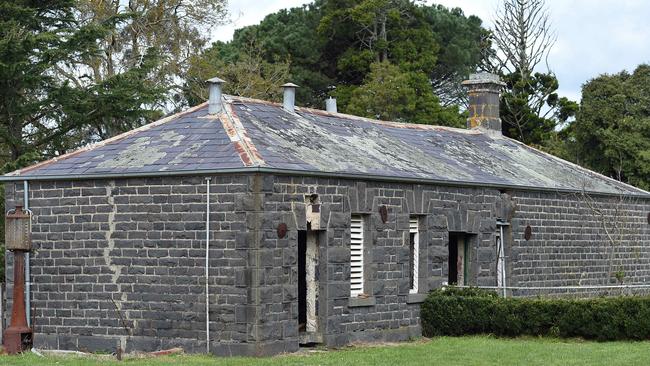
[{"x": 445, "y": 351}]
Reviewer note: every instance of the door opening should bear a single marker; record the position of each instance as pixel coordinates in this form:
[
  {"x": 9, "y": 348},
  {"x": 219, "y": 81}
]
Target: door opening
[
  {"x": 308, "y": 325},
  {"x": 458, "y": 259},
  {"x": 302, "y": 281}
]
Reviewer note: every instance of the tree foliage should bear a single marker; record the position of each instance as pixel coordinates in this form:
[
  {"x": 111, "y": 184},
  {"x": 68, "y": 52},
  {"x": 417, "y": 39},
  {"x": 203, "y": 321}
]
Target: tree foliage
[
  {"x": 611, "y": 133},
  {"x": 249, "y": 75},
  {"x": 355, "y": 41},
  {"x": 289, "y": 36},
  {"x": 35, "y": 39},
  {"x": 389, "y": 93},
  {"x": 531, "y": 108}
]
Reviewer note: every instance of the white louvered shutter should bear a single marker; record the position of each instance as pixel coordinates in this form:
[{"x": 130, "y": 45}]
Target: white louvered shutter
[
  {"x": 415, "y": 252},
  {"x": 356, "y": 255}
]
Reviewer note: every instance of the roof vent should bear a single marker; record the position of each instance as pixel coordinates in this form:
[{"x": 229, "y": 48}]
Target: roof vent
[
  {"x": 289, "y": 101},
  {"x": 330, "y": 105},
  {"x": 215, "y": 104},
  {"x": 483, "y": 89}
]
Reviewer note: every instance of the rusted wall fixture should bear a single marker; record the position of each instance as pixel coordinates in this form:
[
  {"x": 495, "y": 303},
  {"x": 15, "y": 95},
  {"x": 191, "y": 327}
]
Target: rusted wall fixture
[
  {"x": 18, "y": 231},
  {"x": 18, "y": 337},
  {"x": 282, "y": 230},
  {"x": 528, "y": 233},
  {"x": 383, "y": 212}
]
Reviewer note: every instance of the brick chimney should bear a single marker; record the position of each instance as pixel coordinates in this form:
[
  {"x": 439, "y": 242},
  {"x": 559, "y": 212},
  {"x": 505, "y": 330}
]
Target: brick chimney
[{"x": 484, "y": 89}]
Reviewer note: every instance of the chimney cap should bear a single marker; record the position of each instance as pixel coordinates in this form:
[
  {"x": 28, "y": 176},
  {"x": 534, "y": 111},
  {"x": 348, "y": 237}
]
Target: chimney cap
[
  {"x": 290, "y": 85},
  {"x": 215, "y": 80},
  {"x": 483, "y": 78}
]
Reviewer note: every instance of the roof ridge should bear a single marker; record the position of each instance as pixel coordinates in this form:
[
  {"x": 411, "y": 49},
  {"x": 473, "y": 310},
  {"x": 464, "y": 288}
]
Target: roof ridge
[
  {"x": 238, "y": 135},
  {"x": 98, "y": 144},
  {"x": 411, "y": 125}
]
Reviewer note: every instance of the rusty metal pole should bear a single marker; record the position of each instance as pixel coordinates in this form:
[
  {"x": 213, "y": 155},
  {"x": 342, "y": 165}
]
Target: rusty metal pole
[{"x": 18, "y": 336}]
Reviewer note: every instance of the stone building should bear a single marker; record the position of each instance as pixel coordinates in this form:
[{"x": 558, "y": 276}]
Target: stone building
[{"x": 320, "y": 227}]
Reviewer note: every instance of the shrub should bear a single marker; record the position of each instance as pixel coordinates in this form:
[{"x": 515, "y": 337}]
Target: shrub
[{"x": 454, "y": 311}]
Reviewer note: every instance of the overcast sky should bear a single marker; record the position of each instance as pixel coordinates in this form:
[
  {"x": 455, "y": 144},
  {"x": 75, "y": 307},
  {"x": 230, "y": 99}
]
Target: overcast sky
[{"x": 594, "y": 36}]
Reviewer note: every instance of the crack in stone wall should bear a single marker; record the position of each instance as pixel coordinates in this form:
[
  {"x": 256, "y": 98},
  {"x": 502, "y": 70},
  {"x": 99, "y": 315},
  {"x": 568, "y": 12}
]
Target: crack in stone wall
[{"x": 110, "y": 247}]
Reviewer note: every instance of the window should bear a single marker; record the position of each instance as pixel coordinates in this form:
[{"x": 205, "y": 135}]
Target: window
[
  {"x": 414, "y": 247},
  {"x": 356, "y": 255}
]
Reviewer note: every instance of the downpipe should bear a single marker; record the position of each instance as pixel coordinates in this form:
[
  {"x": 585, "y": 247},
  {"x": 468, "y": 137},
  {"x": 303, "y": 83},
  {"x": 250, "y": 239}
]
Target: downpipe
[
  {"x": 207, "y": 264},
  {"x": 28, "y": 278},
  {"x": 503, "y": 262}
]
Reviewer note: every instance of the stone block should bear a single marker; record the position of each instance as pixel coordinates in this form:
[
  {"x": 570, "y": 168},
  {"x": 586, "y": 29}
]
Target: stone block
[
  {"x": 338, "y": 255},
  {"x": 98, "y": 344},
  {"x": 338, "y": 290},
  {"x": 46, "y": 341}
]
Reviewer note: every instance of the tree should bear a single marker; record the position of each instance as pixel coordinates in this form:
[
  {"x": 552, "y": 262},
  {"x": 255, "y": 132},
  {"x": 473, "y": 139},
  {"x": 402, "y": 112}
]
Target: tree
[
  {"x": 462, "y": 44},
  {"x": 392, "y": 94},
  {"x": 373, "y": 20},
  {"x": 612, "y": 129},
  {"x": 522, "y": 38},
  {"x": 353, "y": 35},
  {"x": 143, "y": 58},
  {"x": 289, "y": 36},
  {"x": 395, "y": 58},
  {"x": 373, "y": 31},
  {"x": 35, "y": 39},
  {"x": 249, "y": 75}
]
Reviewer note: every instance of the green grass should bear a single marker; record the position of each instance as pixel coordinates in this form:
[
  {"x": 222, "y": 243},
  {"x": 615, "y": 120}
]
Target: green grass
[{"x": 445, "y": 351}]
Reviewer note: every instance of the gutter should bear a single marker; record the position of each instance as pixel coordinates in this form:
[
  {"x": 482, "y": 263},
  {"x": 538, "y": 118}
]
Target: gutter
[{"x": 293, "y": 172}]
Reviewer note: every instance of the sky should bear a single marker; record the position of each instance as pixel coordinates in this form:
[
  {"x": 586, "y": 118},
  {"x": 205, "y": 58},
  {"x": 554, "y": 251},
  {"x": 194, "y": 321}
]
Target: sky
[{"x": 593, "y": 36}]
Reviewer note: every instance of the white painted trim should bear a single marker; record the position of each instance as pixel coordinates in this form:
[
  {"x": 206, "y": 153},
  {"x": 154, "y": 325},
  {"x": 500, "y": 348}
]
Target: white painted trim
[
  {"x": 356, "y": 255},
  {"x": 414, "y": 229}
]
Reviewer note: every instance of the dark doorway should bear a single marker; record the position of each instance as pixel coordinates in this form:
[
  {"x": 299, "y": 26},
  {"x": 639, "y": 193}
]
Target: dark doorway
[
  {"x": 302, "y": 280},
  {"x": 453, "y": 260},
  {"x": 459, "y": 258}
]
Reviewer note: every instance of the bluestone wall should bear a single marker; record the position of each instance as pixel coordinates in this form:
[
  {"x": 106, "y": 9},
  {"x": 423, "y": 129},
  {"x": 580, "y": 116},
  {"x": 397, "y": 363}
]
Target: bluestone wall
[{"x": 121, "y": 262}]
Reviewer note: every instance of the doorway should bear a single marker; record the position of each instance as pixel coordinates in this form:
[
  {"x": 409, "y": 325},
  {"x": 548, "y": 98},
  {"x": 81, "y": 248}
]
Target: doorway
[
  {"x": 459, "y": 258},
  {"x": 308, "y": 324}
]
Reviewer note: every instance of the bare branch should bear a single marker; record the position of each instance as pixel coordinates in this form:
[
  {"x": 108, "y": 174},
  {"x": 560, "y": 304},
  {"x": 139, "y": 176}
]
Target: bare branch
[{"x": 615, "y": 224}]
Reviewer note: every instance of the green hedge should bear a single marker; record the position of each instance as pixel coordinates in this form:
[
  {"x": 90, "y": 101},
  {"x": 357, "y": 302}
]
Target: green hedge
[{"x": 471, "y": 311}]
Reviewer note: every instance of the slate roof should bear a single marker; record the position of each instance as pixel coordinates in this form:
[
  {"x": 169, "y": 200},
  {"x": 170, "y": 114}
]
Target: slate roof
[{"x": 254, "y": 135}]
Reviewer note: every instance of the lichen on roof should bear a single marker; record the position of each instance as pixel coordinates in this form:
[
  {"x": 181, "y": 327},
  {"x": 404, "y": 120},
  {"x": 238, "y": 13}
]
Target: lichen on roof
[{"x": 253, "y": 134}]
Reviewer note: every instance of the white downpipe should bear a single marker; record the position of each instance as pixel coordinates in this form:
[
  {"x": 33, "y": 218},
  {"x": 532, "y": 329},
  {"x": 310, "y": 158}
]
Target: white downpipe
[
  {"x": 503, "y": 262},
  {"x": 28, "y": 278},
  {"x": 207, "y": 264}
]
